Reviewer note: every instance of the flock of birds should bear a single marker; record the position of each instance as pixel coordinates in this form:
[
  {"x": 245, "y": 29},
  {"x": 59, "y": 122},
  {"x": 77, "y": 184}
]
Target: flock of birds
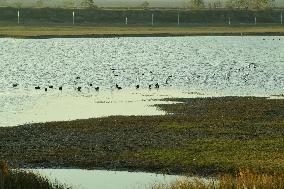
[
  {"x": 79, "y": 88},
  {"x": 155, "y": 85}
]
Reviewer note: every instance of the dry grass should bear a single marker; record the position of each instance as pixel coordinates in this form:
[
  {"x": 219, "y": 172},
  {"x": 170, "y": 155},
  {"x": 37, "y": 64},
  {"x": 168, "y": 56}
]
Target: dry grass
[
  {"x": 244, "y": 180},
  {"x": 80, "y": 31},
  {"x": 19, "y": 179}
]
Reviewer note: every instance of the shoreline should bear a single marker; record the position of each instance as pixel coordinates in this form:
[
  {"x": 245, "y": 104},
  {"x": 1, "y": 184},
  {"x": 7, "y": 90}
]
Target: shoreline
[
  {"x": 46, "y": 32},
  {"x": 141, "y": 35}
]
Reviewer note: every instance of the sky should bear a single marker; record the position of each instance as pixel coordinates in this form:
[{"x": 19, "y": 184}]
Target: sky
[{"x": 167, "y": 3}]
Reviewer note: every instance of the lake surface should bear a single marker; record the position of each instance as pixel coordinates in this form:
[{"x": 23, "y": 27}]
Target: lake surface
[
  {"x": 182, "y": 66},
  {"x": 90, "y": 179}
]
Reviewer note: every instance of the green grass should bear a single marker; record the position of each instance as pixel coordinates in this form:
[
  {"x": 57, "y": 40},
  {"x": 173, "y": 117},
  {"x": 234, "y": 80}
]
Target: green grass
[{"x": 208, "y": 136}]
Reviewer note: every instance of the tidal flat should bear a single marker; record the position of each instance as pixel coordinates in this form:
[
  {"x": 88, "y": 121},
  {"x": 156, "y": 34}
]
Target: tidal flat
[{"x": 201, "y": 136}]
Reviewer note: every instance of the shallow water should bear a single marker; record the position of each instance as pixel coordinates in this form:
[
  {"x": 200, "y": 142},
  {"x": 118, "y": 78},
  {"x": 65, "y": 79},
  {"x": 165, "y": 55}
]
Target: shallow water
[
  {"x": 90, "y": 179},
  {"x": 199, "y": 66}
]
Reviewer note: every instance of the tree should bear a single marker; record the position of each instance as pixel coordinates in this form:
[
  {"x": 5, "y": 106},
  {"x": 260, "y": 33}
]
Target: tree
[
  {"x": 196, "y": 4},
  {"x": 69, "y": 4},
  {"x": 145, "y": 5},
  {"x": 250, "y": 4},
  {"x": 18, "y": 4},
  {"x": 39, "y": 4},
  {"x": 88, "y": 4},
  {"x": 215, "y": 5}
]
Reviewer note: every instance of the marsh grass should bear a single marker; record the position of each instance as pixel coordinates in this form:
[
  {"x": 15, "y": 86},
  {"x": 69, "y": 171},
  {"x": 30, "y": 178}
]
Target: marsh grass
[
  {"x": 206, "y": 137},
  {"x": 245, "y": 179},
  {"x": 20, "y": 179}
]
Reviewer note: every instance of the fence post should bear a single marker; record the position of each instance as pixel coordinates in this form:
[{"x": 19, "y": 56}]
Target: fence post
[
  {"x": 255, "y": 20},
  {"x": 73, "y": 17},
  {"x": 229, "y": 20},
  {"x": 152, "y": 19},
  {"x": 126, "y": 20},
  {"x": 18, "y": 17},
  {"x": 178, "y": 19}
]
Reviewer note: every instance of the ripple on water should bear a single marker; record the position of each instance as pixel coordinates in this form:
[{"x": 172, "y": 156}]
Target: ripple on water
[{"x": 207, "y": 65}]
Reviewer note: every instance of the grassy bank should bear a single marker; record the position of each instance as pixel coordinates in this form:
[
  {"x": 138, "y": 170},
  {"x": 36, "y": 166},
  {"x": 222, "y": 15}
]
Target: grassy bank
[
  {"x": 81, "y": 31},
  {"x": 203, "y": 136},
  {"x": 19, "y": 179}
]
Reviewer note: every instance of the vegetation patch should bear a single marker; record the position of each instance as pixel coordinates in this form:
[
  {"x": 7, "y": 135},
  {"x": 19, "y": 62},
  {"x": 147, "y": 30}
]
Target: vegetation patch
[
  {"x": 20, "y": 179},
  {"x": 243, "y": 180},
  {"x": 202, "y": 136}
]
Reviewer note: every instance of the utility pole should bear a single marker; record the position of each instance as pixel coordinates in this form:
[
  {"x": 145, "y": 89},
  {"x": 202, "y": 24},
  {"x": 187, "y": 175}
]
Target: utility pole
[
  {"x": 152, "y": 19},
  {"x": 281, "y": 18},
  {"x": 255, "y": 20},
  {"x": 178, "y": 19},
  {"x": 126, "y": 20},
  {"x": 229, "y": 20}
]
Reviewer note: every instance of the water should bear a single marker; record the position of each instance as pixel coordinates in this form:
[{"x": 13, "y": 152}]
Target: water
[
  {"x": 89, "y": 179},
  {"x": 183, "y": 67}
]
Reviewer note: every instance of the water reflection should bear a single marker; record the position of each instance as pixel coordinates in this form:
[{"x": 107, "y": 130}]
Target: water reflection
[
  {"x": 63, "y": 106},
  {"x": 90, "y": 179}
]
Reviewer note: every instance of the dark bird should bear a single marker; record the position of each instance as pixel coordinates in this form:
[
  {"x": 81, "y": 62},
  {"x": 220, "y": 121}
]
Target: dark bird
[
  {"x": 77, "y": 77},
  {"x": 167, "y": 80},
  {"x": 137, "y": 86},
  {"x": 50, "y": 86},
  {"x": 119, "y": 88},
  {"x": 90, "y": 84},
  {"x": 60, "y": 88},
  {"x": 37, "y": 87},
  {"x": 45, "y": 89},
  {"x": 150, "y": 86},
  {"x": 157, "y": 86},
  {"x": 79, "y": 89},
  {"x": 15, "y": 85},
  {"x": 97, "y": 88}
]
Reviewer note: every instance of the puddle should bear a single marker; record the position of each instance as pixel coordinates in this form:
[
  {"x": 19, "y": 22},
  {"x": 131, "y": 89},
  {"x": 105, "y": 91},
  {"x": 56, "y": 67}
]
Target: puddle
[{"x": 100, "y": 179}]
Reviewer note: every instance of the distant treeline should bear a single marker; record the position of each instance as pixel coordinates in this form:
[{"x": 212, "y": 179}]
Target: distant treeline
[{"x": 32, "y": 16}]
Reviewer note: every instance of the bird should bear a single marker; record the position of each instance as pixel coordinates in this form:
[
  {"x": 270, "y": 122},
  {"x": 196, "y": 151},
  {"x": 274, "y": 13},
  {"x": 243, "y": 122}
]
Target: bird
[
  {"x": 90, "y": 84},
  {"x": 157, "y": 86},
  {"x": 45, "y": 89},
  {"x": 38, "y": 87},
  {"x": 167, "y": 80},
  {"x": 50, "y": 86},
  {"x": 79, "y": 89},
  {"x": 60, "y": 88},
  {"x": 119, "y": 88},
  {"x": 77, "y": 77},
  {"x": 150, "y": 86},
  {"x": 97, "y": 88},
  {"x": 137, "y": 86},
  {"x": 15, "y": 85}
]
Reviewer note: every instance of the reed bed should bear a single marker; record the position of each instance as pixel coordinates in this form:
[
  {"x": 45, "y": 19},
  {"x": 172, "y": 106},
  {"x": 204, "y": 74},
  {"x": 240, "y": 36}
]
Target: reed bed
[
  {"x": 245, "y": 179},
  {"x": 20, "y": 179}
]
